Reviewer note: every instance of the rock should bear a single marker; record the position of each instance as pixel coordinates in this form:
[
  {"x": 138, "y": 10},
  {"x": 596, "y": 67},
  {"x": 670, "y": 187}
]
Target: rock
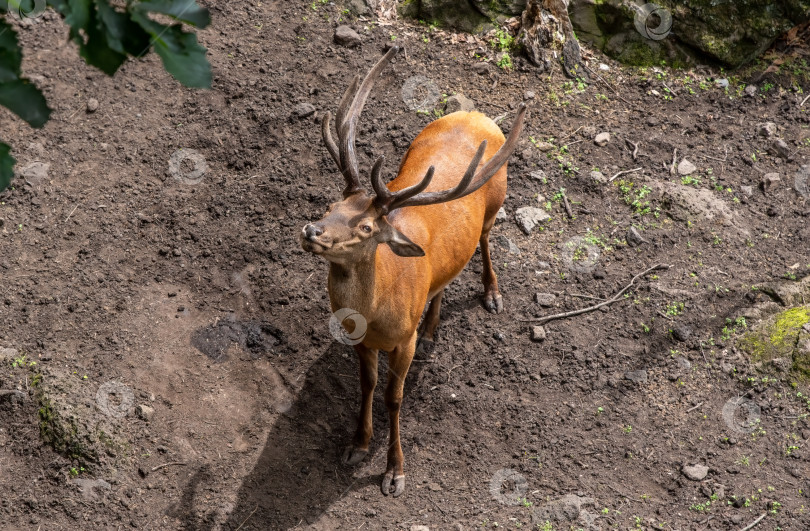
[
  {"x": 638, "y": 377},
  {"x": 480, "y": 68},
  {"x": 303, "y": 110},
  {"x": 144, "y": 412},
  {"x": 346, "y": 36},
  {"x": 588, "y": 131},
  {"x": 435, "y": 487},
  {"x": 528, "y": 95},
  {"x": 562, "y": 511},
  {"x": 767, "y": 129},
  {"x": 459, "y": 102},
  {"x": 539, "y": 175},
  {"x": 721, "y": 83},
  {"x": 419, "y": 528},
  {"x": 88, "y": 487},
  {"x": 751, "y": 91},
  {"x": 92, "y": 105},
  {"x": 501, "y": 215},
  {"x": 599, "y": 177},
  {"x": 747, "y": 190},
  {"x": 7, "y": 354},
  {"x": 360, "y": 7},
  {"x": 685, "y": 167},
  {"x": 538, "y": 334},
  {"x": 507, "y": 244},
  {"x": 601, "y": 139},
  {"x": 544, "y": 146},
  {"x": 683, "y": 363},
  {"x": 36, "y": 172},
  {"x": 528, "y": 218},
  {"x": 603, "y": 67},
  {"x": 546, "y": 300},
  {"x": 779, "y": 148},
  {"x": 634, "y": 237},
  {"x": 769, "y": 181},
  {"x": 696, "y": 472},
  {"x": 683, "y": 202}
]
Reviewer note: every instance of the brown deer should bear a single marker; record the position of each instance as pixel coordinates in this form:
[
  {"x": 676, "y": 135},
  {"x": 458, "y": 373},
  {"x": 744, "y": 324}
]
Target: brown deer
[{"x": 430, "y": 219}]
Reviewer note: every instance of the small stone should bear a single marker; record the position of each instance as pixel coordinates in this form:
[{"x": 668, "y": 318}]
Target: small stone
[
  {"x": 736, "y": 519},
  {"x": 346, "y": 36},
  {"x": 144, "y": 412},
  {"x": 528, "y": 218},
  {"x": 501, "y": 215},
  {"x": 599, "y": 177},
  {"x": 177, "y": 252},
  {"x": 767, "y": 129},
  {"x": 769, "y": 181},
  {"x": 419, "y": 528},
  {"x": 751, "y": 91},
  {"x": 303, "y": 110},
  {"x": 588, "y": 131},
  {"x": 638, "y": 377},
  {"x": 747, "y": 190},
  {"x": 681, "y": 332},
  {"x": 435, "y": 487},
  {"x": 36, "y": 172},
  {"x": 480, "y": 68},
  {"x": 539, "y": 175},
  {"x": 722, "y": 83},
  {"x": 92, "y": 105},
  {"x": 686, "y": 167},
  {"x": 603, "y": 67},
  {"x": 459, "y": 102},
  {"x": 546, "y": 300},
  {"x": 779, "y": 148},
  {"x": 528, "y": 95},
  {"x": 506, "y": 243},
  {"x": 8, "y": 354},
  {"x": 696, "y": 472},
  {"x": 634, "y": 237},
  {"x": 684, "y": 363},
  {"x": 538, "y": 334},
  {"x": 601, "y": 139},
  {"x": 360, "y": 7}
]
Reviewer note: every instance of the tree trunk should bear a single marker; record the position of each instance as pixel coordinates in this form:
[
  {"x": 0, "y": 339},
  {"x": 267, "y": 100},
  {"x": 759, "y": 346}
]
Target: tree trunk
[{"x": 545, "y": 31}]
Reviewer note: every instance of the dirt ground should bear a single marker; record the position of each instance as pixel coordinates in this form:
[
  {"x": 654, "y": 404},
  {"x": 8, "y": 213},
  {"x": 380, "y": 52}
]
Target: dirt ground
[{"x": 191, "y": 296}]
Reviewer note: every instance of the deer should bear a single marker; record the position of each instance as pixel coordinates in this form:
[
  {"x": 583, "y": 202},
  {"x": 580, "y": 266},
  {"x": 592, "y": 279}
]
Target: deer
[{"x": 393, "y": 250}]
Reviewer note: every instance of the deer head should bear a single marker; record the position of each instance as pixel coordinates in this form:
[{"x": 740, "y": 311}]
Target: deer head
[{"x": 353, "y": 228}]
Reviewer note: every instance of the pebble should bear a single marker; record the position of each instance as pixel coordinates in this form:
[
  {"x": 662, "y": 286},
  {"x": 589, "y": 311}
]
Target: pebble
[
  {"x": 539, "y": 175},
  {"x": 747, "y": 190},
  {"x": 544, "y": 146},
  {"x": 602, "y": 139},
  {"x": 459, "y": 102},
  {"x": 722, "y": 83},
  {"x": 779, "y": 148},
  {"x": 681, "y": 332},
  {"x": 480, "y": 68},
  {"x": 603, "y": 67},
  {"x": 144, "y": 412},
  {"x": 769, "y": 181},
  {"x": 684, "y": 363},
  {"x": 506, "y": 243},
  {"x": 528, "y": 218},
  {"x": 767, "y": 129},
  {"x": 538, "y": 334},
  {"x": 8, "y": 353},
  {"x": 92, "y": 105},
  {"x": 546, "y": 300},
  {"x": 599, "y": 177},
  {"x": 685, "y": 167},
  {"x": 419, "y": 528},
  {"x": 751, "y": 90},
  {"x": 696, "y": 472},
  {"x": 528, "y": 95},
  {"x": 638, "y": 377},
  {"x": 501, "y": 215},
  {"x": 346, "y": 36}
]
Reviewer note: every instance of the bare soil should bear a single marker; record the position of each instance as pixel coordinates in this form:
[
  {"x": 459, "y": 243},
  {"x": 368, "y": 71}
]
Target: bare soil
[{"x": 196, "y": 298}]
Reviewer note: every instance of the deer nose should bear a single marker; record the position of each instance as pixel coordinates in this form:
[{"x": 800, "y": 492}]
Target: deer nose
[{"x": 312, "y": 231}]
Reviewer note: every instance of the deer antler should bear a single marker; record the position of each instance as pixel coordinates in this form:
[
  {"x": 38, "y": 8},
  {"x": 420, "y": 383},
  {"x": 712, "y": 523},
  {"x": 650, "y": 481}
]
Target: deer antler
[
  {"x": 470, "y": 182},
  {"x": 351, "y": 105}
]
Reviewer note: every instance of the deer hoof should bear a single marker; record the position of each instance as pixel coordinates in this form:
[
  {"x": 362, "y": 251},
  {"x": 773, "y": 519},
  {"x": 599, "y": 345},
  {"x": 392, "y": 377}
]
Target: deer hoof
[
  {"x": 425, "y": 346},
  {"x": 494, "y": 302},
  {"x": 393, "y": 485},
  {"x": 353, "y": 456}
]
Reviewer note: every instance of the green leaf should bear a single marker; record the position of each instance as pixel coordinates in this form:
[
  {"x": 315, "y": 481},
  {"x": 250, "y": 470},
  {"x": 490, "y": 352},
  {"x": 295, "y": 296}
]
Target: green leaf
[
  {"x": 6, "y": 166},
  {"x": 77, "y": 15},
  {"x": 182, "y": 57},
  {"x": 183, "y": 10},
  {"x": 123, "y": 35},
  {"x": 10, "y": 54},
  {"x": 97, "y": 51},
  {"x": 26, "y": 101}
]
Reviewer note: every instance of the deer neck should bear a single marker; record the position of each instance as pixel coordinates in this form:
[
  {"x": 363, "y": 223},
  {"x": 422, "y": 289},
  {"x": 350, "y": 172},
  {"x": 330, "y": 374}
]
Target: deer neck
[{"x": 353, "y": 285}]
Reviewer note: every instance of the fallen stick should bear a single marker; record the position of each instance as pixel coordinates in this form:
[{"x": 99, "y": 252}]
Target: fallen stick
[
  {"x": 623, "y": 172},
  {"x": 754, "y": 523},
  {"x": 611, "y": 300},
  {"x": 674, "y": 160},
  {"x": 567, "y": 206},
  {"x": 168, "y": 464}
]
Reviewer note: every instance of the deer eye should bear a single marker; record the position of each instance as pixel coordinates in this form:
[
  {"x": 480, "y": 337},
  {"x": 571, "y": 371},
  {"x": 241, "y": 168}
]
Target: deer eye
[{"x": 365, "y": 228}]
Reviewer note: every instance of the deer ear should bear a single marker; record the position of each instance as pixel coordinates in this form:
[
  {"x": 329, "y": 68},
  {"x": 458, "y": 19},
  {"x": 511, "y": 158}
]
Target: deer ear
[{"x": 399, "y": 243}]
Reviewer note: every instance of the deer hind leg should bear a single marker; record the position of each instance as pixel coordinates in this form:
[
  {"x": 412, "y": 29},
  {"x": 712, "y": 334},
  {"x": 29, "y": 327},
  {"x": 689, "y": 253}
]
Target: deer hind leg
[
  {"x": 429, "y": 324},
  {"x": 399, "y": 361},
  {"x": 368, "y": 381},
  {"x": 492, "y": 296}
]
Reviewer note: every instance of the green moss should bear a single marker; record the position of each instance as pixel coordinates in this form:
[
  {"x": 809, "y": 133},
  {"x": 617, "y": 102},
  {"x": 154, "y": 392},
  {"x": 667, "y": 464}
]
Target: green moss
[
  {"x": 62, "y": 434},
  {"x": 779, "y": 338}
]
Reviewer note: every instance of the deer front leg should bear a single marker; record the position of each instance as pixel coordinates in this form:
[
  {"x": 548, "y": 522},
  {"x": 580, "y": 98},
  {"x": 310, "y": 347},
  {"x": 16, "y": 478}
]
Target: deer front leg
[
  {"x": 368, "y": 381},
  {"x": 399, "y": 361}
]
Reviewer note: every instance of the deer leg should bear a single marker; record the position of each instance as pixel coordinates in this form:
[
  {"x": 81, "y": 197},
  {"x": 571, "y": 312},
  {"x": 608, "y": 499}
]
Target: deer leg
[
  {"x": 429, "y": 324},
  {"x": 492, "y": 296},
  {"x": 398, "y": 363},
  {"x": 368, "y": 381}
]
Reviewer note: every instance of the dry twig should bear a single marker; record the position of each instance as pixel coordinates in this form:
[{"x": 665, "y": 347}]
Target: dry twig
[{"x": 625, "y": 171}]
